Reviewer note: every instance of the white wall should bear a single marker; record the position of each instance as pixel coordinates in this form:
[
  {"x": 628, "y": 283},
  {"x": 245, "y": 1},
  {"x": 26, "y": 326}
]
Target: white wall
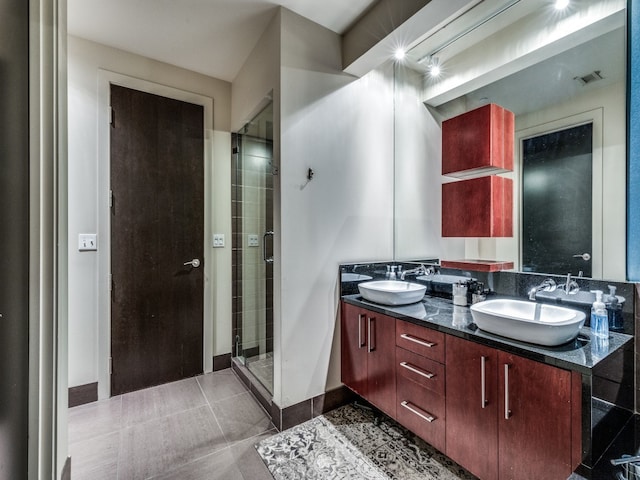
[
  {"x": 85, "y": 59},
  {"x": 340, "y": 127},
  {"x": 418, "y": 180}
]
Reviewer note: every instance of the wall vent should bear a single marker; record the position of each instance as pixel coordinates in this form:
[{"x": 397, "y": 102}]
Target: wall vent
[{"x": 590, "y": 77}]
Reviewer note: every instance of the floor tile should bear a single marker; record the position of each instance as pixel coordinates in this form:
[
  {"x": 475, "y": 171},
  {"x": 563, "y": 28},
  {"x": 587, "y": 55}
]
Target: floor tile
[
  {"x": 217, "y": 466},
  {"x": 160, "y": 445},
  {"x": 94, "y": 419},
  {"x": 95, "y": 458},
  {"x": 156, "y": 402},
  {"x": 248, "y": 460},
  {"x": 221, "y": 385},
  {"x": 241, "y": 417}
]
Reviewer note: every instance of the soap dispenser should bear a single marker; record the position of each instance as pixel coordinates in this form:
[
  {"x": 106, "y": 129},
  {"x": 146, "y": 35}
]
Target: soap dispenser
[
  {"x": 614, "y": 310},
  {"x": 599, "y": 317}
]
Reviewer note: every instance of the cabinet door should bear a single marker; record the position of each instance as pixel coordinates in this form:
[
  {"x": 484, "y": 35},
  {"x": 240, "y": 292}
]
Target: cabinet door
[
  {"x": 354, "y": 348},
  {"x": 534, "y": 420},
  {"x": 381, "y": 345},
  {"x": 472, "y": 406}
]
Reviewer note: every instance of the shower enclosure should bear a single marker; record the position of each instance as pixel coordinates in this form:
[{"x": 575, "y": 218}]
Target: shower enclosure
[{"x": 252, "y": 216}]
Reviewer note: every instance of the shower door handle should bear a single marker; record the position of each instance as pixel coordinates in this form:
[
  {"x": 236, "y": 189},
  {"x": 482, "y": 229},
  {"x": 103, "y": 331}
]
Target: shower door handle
[{"x": 264, "y": 246}]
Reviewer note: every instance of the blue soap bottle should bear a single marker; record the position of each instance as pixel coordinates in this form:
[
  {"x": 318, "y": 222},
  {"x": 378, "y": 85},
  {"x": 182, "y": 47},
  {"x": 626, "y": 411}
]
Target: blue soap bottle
[{"x": 599, "y": 317}]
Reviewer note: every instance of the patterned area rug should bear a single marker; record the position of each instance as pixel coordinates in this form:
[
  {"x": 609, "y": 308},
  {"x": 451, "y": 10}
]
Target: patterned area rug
[{"x": 351, "y": 443}]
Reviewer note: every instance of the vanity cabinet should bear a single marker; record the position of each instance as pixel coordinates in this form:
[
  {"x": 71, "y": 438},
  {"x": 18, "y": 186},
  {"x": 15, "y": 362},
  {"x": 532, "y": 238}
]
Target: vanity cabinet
[
  {"x": 420, "y": 374},
  {"x": 499, "y": 415},
  {"x": 368, "y": 356},
  {"x": 509, "y": 417},
  {"x": 472, "y": 407}
]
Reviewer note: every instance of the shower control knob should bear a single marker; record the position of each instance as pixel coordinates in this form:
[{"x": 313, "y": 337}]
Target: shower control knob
[
  {"x": 195, "y": 263},
  {"x": 585, "y": 256}
]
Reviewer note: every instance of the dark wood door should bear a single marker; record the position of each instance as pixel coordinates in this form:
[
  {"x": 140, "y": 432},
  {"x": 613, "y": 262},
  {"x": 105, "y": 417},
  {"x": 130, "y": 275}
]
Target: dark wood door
[
  {"x": 157, "y": 224},
  {"x": 535, "y": 439},
  {"x": 557, "y": 173},
  {"x": 472, "y": 406},
  {"x": 354, "y": 348},
  {"x": 381, "y": 368}
]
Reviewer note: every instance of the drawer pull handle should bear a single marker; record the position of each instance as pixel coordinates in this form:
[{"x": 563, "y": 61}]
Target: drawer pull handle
[
  {"x": 360, "y": 342},
  {"x": 417, "y": 370},
  {"x": 425, "y": 416},
  {"x": 406, "y": 336}
]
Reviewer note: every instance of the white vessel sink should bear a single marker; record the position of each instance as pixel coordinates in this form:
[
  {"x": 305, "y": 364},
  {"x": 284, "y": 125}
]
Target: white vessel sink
[
  {"x": 542, "y": 324},
  {"x": 354, "y": 277},
  {"x": 392, "y": 292}
]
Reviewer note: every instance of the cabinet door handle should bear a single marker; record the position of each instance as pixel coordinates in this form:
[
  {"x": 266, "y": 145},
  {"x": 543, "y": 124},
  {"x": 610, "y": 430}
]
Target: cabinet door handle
[
  {"x": 507, "y": 412},
  {"x": 360, "y": 342},
  {"x": 417, "y": 411},
  {"x": 370, "y": 345},
  {"x": 483, "y": 380},
  {"x": 406, "y": 336},
  {"x": 417, "y": 370}
]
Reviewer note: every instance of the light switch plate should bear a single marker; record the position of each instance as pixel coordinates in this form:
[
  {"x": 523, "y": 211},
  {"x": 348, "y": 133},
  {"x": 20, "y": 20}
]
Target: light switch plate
[
  {"x": 253, "y": 240},
  {"x": 218, "y": 240},
  {"x": 87, "y": 241}
]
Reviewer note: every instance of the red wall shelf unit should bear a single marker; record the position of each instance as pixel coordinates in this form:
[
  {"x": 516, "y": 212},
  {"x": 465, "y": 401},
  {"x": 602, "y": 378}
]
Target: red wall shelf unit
[
  {"x": 478, "y": 143},
  {"x": 480, "y": 207}
]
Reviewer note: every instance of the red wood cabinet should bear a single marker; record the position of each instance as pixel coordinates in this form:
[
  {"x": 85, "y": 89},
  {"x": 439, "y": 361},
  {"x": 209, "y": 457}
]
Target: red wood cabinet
[
  {"x": 479, "y": 142},
  {"x": 368, "y": 356},
  {"x": 421, "y": 382},
  {"x": 472, "y": 406},
  {"x": 481, "y": 207},
  {"x": 534, "y": 415},
  {"x": 524, "y": 430}
]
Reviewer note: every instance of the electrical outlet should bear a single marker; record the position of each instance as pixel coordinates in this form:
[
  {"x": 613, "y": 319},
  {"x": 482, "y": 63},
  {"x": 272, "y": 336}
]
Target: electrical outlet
[
  {"x": 218, "y": 240},
  {"x": 87, "y": 241},
  {"x": 253, "y": 241}
]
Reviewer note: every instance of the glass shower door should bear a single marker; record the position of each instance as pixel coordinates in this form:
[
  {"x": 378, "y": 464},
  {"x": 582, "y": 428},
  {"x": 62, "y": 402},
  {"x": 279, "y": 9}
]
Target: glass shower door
[{"x": 252, "y": 190}]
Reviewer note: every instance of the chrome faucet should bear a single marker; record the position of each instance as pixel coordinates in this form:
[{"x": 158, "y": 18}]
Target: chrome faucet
[
  {"x": 570, "y": 287},
  {"x": 548, "y": 286},
  {"x": 419, "y": 270}
]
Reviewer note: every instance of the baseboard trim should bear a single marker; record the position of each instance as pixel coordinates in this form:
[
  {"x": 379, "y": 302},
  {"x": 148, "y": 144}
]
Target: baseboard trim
[
  {"x": 283, "y": 418},
  {"x": 83, "y": 394},
  {"x": 221, "y": 362}
]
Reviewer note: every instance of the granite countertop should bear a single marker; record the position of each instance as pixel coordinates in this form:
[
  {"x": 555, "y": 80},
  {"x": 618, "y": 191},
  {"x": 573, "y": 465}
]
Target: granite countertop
[{"x": 582, "y": 354}]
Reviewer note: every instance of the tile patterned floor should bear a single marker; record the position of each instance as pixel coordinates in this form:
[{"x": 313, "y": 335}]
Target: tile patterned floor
[{"x": 199, "y": 428}]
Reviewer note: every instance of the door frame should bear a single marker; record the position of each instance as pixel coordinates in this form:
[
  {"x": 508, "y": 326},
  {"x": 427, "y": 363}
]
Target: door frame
[
  {"x": 594, "y": 117},
  {"x": 105, "y": 79}
]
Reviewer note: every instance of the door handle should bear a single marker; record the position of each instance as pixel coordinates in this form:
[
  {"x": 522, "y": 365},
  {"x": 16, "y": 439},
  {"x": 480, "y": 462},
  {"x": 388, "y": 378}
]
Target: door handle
[
  {"x": 195, "y": 263},
  {"x": 585, "y": 256},
  {"x": 264, "y": 247}
]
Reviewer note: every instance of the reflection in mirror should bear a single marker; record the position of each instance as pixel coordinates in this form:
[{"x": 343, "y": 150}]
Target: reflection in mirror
[
  {"x": 555, "y": 70},
  {"x": 556, "y": 202}
]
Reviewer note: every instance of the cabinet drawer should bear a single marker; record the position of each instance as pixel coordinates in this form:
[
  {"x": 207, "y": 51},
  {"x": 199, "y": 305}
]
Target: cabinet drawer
[
  {"x": 422, "y": 411},
  {"x": 420, "y": 340},
  {"x": 423, "y": 371}
]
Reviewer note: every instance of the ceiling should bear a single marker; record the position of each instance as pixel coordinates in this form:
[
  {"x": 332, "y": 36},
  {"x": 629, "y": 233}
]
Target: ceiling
[{"x": 212, "y": 37}]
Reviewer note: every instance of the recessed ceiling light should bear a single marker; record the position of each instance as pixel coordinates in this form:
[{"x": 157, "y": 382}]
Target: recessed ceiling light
[
  {"x": 399, "y": 54},
  {"x": 434, "y": 67},
  {"x": 562, "y": 4}
]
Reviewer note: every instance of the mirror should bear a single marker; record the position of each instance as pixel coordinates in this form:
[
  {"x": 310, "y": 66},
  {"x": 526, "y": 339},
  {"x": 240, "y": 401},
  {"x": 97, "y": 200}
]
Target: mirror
[{"x": 555, "y": 69}]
